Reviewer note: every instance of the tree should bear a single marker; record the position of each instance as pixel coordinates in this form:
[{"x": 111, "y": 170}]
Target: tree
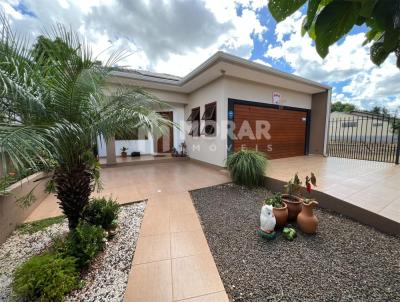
[
  {"x": 342, "y": 107},
  {"x": 380, "y": 110},
  {"x": 329, "y": 20},
  {"x": 54, "y": 106},
  {"x": 45, "y": 50}
]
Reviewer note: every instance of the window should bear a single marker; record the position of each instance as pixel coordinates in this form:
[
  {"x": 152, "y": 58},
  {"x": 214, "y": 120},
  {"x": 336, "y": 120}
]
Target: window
[
  {"x": 194, "y": 115},
  {"x": 195, "y": 119},
  {"x": 349, "y": 124},
  {"x": 210, "y": 112},
  {"x": 210, "y": 118}
]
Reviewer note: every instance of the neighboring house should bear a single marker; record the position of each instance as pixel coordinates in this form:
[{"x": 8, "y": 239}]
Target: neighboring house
[
  {"x": 228, "y": 103},
  {"x": 361, "y": 126}
]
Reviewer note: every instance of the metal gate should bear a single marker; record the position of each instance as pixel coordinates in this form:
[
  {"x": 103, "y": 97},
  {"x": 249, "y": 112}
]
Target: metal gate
[{"x": 365, "y": 136}]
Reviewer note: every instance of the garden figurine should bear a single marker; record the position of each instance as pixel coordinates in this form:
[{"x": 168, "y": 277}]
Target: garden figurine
[
  {"x": 267, "y": 223},
  {"x": 267, "y": 219}
]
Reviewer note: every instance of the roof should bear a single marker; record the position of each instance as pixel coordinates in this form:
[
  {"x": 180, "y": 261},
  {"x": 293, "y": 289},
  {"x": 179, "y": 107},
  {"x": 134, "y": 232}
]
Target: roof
[
  {"x": 146, "y": 74},
  {"x": 361, "y": 113},
  {"x": 227, "y": 65}
]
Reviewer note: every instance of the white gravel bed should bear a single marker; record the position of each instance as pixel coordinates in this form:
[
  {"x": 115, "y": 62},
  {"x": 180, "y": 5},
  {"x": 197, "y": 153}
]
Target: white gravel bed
[
  {"x": 108, "y": 275},
  {"x": 20, "y": 247}
]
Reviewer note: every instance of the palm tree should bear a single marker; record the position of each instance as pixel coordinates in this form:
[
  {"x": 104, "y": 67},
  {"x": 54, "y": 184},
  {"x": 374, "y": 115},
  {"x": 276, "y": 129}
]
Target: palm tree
[{"x": 54, "y": 105}]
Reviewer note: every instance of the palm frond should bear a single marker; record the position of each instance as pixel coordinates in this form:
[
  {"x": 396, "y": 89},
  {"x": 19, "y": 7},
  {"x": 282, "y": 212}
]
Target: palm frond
[
  {"x": 24, "y": 147},
  {"x": 125, "y": 111}
]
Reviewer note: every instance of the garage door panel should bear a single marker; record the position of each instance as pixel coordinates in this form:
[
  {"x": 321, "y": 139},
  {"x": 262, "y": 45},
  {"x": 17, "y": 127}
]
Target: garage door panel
[{"x": 287, "y": 130}]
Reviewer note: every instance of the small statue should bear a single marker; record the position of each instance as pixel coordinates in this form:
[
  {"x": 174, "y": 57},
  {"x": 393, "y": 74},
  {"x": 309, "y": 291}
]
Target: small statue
[
  {"x": 267, "y": 219},
  {"x": 267, "y": 223}
]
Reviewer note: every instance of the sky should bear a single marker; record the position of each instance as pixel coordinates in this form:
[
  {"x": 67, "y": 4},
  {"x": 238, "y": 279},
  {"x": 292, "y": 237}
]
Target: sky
[{"x": 175, "y": 36}]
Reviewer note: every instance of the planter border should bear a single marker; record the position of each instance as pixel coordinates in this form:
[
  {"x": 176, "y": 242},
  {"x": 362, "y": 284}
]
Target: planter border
[{"x": 11, "y": 213}]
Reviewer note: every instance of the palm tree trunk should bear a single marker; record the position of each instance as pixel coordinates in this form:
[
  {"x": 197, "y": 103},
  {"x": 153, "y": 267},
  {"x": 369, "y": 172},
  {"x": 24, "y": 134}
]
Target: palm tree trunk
[{"x": 73, "y": 189}]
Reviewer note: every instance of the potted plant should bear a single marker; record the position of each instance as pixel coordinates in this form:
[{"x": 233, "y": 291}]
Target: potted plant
[
  {"x": 123, "y": 152},
  {"x": 306, "y": 220},
  {"x": 292, "y": 197},
  {"x": 183, "y": 149},
  {"x": 279, "y": 208}
]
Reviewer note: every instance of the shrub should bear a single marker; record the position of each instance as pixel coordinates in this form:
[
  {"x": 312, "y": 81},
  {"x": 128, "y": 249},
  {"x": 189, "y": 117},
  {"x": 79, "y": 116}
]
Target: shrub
[
  {"x": 102, "y": 212},
  {"x": 47, "y": 277},
  {"x": 294, "y": 186},
  {"x": 247, "y": 167},
  {"x": 83, "y": 243},
  {"x": 275, "y": 200}
]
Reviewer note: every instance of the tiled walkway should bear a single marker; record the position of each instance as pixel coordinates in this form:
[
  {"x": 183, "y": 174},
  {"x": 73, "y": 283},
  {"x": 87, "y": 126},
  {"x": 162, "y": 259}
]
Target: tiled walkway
[
  {"x": 132, "y": 183},
  {"x": 373, "y": 186},
  {"x": 172, "y": 260}
]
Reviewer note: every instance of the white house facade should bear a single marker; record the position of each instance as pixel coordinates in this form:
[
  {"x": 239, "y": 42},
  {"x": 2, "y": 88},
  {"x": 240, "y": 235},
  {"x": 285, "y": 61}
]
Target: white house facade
[{"x": 228, "y": 103}]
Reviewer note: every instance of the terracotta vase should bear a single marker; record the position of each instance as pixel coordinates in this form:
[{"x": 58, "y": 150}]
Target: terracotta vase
[
  {"x": 306, "y": 220},
  {"x": 293, "y": 205},
  {"x": 281, "y": 215}
]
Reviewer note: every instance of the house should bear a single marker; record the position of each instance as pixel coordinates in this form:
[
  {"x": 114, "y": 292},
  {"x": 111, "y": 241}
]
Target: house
[
  {"x": 362, "y": 127},
  {"x": 228, "y": 103}
]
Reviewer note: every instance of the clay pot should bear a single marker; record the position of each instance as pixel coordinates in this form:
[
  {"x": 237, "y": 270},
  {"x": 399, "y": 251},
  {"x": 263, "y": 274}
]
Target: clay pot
[
  {"x": 281, "y": 215},
  {"x": 293, "y": 205},
  {"x": 124, "y": 154},
  {"x": 306, "y": 220}
]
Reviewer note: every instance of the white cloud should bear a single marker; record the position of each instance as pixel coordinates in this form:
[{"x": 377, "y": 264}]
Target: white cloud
[
  {"x": 348, "y": 61},
  {"x": 259, "y": 61},
  {"x": 170, "y": 36}
]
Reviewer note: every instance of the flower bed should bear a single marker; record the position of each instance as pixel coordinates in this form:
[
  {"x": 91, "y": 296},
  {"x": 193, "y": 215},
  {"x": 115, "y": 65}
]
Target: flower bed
[
  {"x": 107, "y": 276},
  {"x": 344, "y": 261}
]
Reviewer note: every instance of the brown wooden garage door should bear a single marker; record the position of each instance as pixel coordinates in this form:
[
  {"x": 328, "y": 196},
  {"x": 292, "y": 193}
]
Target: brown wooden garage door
[{"x": 287, "y": 132}]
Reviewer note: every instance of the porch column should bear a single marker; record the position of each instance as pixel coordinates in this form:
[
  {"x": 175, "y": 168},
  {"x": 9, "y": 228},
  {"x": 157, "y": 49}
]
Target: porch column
[
  {"x": 110, "y": 147},
  {"x": 320, "y": 111}
]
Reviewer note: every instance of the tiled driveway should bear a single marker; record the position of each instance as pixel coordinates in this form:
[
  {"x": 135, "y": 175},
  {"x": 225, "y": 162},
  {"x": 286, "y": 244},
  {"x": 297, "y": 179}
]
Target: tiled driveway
[{"x": 172, "y": 260}]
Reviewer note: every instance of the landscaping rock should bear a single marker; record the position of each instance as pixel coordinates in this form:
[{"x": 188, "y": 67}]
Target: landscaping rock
[
  {"x": 344, "y": 261},
  {"x": 107, "y": 276},
  {"x": 20, "y": 247}
]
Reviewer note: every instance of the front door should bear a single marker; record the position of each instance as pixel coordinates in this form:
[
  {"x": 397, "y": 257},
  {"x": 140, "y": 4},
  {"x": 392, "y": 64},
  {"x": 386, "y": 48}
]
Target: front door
[{"x": 165, "y": 143}]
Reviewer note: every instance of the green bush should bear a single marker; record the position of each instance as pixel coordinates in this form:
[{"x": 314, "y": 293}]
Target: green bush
[
  {"x": 247, "y": 167},
  {"x": 275, "y": 200},
  {"x": 48, "y": 277},
  {"x": 83, "y": 243},
  {"x": 102, "y": 212}
]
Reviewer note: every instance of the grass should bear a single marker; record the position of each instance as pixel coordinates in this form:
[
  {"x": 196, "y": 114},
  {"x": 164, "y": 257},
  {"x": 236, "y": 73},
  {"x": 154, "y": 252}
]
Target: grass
[
  {"x": 247, "y": 167},
  {"x": 36, "y": 226}
]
